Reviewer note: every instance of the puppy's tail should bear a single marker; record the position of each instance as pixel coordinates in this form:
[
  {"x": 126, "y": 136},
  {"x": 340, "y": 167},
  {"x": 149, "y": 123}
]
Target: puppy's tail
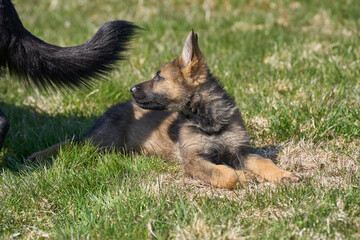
[{"x": 49, "y": 66}]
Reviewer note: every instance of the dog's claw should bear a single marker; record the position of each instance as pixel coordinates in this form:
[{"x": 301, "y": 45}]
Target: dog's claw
[{"x": 291, "y": 177}]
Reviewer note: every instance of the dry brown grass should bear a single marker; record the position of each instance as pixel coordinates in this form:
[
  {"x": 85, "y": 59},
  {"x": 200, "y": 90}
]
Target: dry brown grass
[{"x": 328, "y": 164}]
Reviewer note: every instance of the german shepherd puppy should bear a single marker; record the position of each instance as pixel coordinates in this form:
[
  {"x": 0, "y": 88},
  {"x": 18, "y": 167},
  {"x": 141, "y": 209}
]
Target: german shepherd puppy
[
  {"x": 183, "y": 114},
  {"x": 48, "y": 66}
]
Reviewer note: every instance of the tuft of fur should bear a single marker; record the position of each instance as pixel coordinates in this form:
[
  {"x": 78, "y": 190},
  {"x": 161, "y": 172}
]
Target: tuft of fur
[
  {"x": 210, "y": 109},
  {"x": 49, "y": 66}
]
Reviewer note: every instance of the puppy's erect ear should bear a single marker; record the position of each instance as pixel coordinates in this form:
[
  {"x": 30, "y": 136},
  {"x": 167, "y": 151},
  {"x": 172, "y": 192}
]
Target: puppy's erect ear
[
  {"x": 191, "y": 49},
  {"x": 192, "y": 61},
  {"x": 187, "y": 52}
]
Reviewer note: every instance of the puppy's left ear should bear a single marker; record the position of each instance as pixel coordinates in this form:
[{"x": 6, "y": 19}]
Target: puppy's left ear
[{"x": 192, "y": 62}]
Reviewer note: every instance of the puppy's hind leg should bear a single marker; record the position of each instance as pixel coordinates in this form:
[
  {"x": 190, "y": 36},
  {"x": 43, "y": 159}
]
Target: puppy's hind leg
[
  {"x": 108, "y": 132},
  {"x": 51, "y": 151},
  {"x": 103, "y": 134}
]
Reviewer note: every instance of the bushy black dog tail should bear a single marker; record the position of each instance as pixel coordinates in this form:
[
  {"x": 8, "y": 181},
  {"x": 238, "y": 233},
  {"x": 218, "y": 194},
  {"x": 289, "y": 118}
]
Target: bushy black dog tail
[{"x": 49, "y": 66}]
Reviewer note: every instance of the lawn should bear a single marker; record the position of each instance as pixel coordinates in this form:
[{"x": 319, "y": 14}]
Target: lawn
[{"x": 293, "y": 69}]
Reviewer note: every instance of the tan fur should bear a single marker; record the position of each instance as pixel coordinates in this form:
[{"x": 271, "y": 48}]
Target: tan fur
[{"x": 203, "y": 128}]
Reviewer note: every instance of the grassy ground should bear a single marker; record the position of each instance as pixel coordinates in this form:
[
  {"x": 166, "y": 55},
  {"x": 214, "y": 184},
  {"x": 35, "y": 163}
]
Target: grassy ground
[{"x": 293, "y": 69}]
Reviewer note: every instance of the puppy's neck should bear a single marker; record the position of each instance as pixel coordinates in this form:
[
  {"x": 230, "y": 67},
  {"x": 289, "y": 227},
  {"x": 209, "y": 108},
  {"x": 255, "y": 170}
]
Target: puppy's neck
[{"x": 210, "y": 108}]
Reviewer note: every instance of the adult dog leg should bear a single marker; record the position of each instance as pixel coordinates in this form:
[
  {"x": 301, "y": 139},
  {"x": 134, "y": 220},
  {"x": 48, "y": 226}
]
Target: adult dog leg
[{"x": 4, "y": 127}]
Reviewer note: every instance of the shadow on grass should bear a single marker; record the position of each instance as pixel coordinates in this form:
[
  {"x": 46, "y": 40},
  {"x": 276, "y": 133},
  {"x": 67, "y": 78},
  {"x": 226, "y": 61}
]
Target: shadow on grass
[{"x": 31, "y": 131}]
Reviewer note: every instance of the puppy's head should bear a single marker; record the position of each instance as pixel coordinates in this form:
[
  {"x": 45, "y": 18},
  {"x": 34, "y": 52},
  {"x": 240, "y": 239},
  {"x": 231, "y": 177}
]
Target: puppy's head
[{"x": 175, "y": 82}]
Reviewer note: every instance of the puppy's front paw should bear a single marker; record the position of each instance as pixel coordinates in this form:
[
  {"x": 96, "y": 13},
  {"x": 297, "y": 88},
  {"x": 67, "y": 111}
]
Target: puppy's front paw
[{"x": 282, "y": 176}]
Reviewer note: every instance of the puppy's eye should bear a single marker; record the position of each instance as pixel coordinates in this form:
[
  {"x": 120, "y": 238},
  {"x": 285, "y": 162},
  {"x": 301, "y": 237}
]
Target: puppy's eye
[{"x": 158, "y": 77}]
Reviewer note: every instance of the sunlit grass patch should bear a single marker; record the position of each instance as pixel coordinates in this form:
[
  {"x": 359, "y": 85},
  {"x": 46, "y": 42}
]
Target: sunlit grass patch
[{"x": 292, "y": 68}]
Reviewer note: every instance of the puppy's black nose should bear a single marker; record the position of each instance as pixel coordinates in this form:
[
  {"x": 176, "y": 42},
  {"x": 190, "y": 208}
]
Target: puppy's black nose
[{"x": 133, "y": 89}]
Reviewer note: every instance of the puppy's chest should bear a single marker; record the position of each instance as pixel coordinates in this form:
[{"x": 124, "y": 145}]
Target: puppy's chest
[
  {"x": 217, "y": 151},
  {"x": 216, "y": 148}
]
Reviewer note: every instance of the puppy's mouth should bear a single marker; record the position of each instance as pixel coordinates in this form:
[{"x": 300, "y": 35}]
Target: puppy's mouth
[{"x": 150, "y": 105}]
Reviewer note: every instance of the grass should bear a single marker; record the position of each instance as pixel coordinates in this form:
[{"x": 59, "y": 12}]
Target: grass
[{"x": 293, "y": 69}]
